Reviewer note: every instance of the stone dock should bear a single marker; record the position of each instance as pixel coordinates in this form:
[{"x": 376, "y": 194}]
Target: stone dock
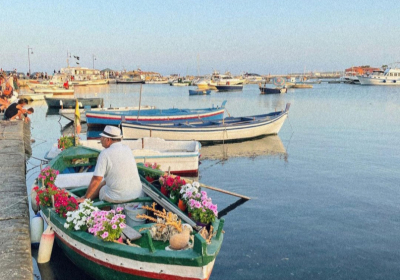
[{"x": 15, "y": 245}]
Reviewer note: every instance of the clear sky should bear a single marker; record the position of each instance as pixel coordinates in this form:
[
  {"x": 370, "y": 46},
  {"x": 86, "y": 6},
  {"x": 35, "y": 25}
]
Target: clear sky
[{"x": 187, "y": 37}]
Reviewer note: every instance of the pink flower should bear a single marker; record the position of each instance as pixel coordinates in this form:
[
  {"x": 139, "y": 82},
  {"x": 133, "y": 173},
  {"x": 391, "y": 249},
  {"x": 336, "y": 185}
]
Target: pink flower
[
  {"x": 114, "y": 226},
  {"x": 122, "y": 225},
  {"x": 104, "y": 235}
]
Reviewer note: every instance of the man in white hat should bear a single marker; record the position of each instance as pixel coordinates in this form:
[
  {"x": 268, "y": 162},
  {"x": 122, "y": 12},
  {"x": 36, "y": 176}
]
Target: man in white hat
[{"x": 115, "y": 178}]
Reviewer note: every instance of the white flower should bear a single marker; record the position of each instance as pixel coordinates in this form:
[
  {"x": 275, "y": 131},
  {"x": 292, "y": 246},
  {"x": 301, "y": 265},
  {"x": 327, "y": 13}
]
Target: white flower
[{"x": 66, "y": 225}]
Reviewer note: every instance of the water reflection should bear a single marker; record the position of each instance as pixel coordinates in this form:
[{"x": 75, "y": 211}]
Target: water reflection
[{"x": 267, "y": 146}]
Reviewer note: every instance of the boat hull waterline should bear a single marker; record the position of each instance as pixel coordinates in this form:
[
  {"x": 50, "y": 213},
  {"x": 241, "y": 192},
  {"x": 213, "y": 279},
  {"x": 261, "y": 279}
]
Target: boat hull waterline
[{"x": 232, "y": 129}]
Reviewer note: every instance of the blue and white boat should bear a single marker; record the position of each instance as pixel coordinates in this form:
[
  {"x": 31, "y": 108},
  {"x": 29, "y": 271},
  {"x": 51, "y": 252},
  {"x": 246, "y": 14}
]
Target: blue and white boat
[
  {"x": 104, "y": 117},
  {"x": 199, "y": 91},
  {"x": 226, "y": 130}
]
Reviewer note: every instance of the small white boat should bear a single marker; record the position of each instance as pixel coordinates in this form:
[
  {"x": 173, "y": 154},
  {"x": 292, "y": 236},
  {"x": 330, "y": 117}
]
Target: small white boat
[
  {"x": 34, "y": 96},
  {"x": 226, "y": 130},
  {"x": 56, "y": 90},
  {"x": 178, "y": 157}
]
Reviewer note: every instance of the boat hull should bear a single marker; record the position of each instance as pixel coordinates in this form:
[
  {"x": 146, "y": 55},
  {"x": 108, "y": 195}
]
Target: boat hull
[
  {"x": 103, "y": 265},
  {"x": 266, "y": 90},
  {"x": 103, "y": 117},
  {"x": 119, "y": 81},
  {"x": 229, "y": 87},
  {"x": 379, "y": 81},
  {"x": 199, "y": 92},
  {"x": 177, "y": 157},
  {"x": 55, "y": 102},
  {"x": 207, "y": 133}
]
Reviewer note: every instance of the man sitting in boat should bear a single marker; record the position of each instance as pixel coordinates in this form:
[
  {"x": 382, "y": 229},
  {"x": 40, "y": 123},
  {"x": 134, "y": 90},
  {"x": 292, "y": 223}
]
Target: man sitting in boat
[{"x": 116, "y": 178}]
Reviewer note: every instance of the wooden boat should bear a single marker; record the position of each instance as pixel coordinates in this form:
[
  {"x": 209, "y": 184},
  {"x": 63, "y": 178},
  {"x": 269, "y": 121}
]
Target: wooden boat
[
  {"x": 229, "y": 87},
  {"x": 199, "y": 92},
  {"x": 147, "y": 259},
  {"x": 228, "y": 129},
  {"x": 301, "y": 85},
  {"x": 70, "y": 102},
  {"x": 268, "y": 90},
  {"x": 34, "y": 96},
  {"x": 178, "y": 157},
  {"x": 105, "y": 117},
  {"x": 56, "y": 90},
  {"x": 69, "y": 114}
]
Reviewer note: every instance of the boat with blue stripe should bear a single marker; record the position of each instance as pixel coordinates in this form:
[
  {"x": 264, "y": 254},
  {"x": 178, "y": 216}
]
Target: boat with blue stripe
[{"x": 105, "y": 117}]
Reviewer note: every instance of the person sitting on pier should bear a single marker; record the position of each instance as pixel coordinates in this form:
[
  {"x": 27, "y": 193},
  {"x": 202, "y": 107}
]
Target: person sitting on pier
[
  {"x": 16, "y": 111},
  {"x": 117, "y": 166}
]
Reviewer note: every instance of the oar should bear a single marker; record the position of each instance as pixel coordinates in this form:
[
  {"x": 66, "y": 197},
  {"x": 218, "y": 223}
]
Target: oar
[{"x": 220, "y": 190}]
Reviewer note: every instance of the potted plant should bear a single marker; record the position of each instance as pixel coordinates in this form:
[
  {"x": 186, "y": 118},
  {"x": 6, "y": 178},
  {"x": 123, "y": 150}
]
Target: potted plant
[
  {"x": 107, "y": 225},
  {"x": 173, "y": 185},
  {"x": 64, "y": 203},
  {"x": 76, "y": 220},
  {"x": 186, "y": 192},
  {"x": 48, "y": 175},
  {"x": 150, "y": 177},
  {"x": 65, "y": 142},
  {"x": 201, "y": 208},
  {"x": 43, "y": 195}
]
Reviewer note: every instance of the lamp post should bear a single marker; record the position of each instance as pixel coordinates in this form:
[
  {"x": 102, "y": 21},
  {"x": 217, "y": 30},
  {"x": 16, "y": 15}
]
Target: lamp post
[
  {"x": 29, "y": 59},
  {"x": 94, "y": 58}
]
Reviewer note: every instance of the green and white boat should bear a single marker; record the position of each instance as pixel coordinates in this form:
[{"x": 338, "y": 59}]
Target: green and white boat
[{"x": 109, "y": 260}]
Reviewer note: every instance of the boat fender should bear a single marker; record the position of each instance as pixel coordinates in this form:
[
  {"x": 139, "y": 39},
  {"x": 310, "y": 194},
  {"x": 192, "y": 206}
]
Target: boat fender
[
  {"x": 394, "y": 81},
  {"x": 384, "y": 81},
  {"x": 46, "y": 245},
  {"x": 227, "y": 83},
  {"x": 36, "y": 230},
  {"x": 34, "y": 205}
]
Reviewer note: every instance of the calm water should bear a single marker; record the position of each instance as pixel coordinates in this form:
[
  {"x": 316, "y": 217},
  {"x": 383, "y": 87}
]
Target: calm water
[{"x": 325, "y": 193}]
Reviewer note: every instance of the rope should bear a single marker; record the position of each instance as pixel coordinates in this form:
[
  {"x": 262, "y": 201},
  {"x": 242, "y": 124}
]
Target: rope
[{"x": 3, "y": 209}]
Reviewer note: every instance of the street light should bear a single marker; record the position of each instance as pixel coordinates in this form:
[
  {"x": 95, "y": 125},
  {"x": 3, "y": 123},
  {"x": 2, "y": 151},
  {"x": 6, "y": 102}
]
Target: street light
[
  {"x": 94, "y": 58},
  {"x": 29, "y": 59}
]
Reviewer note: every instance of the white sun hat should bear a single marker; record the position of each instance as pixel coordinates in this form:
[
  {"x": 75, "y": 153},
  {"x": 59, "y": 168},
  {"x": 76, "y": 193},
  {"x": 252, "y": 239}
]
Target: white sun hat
[{"x": 112, "y": 132}]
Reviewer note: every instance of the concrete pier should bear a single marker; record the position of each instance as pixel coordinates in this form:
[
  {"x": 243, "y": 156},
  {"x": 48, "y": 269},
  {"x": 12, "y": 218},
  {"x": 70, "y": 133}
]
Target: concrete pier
[{"x": 15, "y": 245}]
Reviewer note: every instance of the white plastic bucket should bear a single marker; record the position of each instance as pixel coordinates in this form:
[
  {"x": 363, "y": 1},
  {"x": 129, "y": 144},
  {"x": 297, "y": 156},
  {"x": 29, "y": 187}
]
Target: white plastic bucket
[{"x": 131, "y": 210}]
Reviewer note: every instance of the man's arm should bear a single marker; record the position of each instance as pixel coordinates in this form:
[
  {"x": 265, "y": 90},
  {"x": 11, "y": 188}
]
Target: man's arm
[{"x": 93, "y": 189}]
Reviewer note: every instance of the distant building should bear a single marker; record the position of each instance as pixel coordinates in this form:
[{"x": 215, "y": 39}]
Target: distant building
[{"x": 361, "y": 70}]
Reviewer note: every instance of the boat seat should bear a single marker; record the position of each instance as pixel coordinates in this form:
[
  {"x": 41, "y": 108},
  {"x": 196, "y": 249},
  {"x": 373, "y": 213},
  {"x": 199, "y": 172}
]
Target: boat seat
[{"x": 73, "y": 180}]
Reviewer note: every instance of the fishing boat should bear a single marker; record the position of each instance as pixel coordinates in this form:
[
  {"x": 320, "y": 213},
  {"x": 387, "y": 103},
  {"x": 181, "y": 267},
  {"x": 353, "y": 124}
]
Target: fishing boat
[
  {"x": 229, "y": 87},
  {"x": 228, "y": 129},
  {"x": 34, "y": 96},
  {"x": 301, "y": 85},
  {"x": 268, "y": 90},
  {"x": 199, "y": 92},
  {"x": 70, "y": 102},
  {"x": 105, "y": 117},
  {"x": 177, "y": 157},
  {"x": 69, "y": 114},
  {"x": 55, "y": 90},
  {"x": 147, "y": 258}
]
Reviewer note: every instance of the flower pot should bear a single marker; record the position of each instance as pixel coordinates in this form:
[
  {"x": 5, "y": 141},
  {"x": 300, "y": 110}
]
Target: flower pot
[
  {"x": 149, "y": 179},
  {"x": 120, "y": 240},
  {"x": 173, "y": 199},
  {"x": 164, "y": 191},
  {"x": 182, "y": 205}
]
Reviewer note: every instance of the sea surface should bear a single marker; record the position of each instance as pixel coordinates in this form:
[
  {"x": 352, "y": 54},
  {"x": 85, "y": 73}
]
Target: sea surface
[{"x": 325, "y": 192}]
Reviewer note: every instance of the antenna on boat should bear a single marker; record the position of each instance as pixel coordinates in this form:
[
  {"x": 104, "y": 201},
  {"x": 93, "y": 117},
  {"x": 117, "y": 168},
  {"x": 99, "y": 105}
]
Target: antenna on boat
[{"x": 140, "y": 101}]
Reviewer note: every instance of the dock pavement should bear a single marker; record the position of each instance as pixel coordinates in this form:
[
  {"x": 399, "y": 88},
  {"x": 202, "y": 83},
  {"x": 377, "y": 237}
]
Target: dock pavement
[{"x": 15, "y": 245}]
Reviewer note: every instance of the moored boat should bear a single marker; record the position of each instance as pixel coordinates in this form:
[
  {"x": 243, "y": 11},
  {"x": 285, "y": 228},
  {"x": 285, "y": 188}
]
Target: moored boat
[
  {"x": 389, "y": 77},
  {"x": 228, "y": 129},
  {"x": 70, "y": 102},
  {"x": 199, "y": 91},
  {"x": 105, "y": 117},
  {"x": 146, "y": 258},
  {"x": 229, "y": 87},
  {"x": 177, "y": 157},
  {"x": 268, "y": 90}
]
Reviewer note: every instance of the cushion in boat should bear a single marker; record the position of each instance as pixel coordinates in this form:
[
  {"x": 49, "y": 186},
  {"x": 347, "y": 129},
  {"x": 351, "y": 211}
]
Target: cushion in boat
[{"x": 73, "y": 180}]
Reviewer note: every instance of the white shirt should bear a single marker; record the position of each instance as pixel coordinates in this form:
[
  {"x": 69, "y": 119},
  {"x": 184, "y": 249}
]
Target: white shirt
[{"x": 117, "y": 166}]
